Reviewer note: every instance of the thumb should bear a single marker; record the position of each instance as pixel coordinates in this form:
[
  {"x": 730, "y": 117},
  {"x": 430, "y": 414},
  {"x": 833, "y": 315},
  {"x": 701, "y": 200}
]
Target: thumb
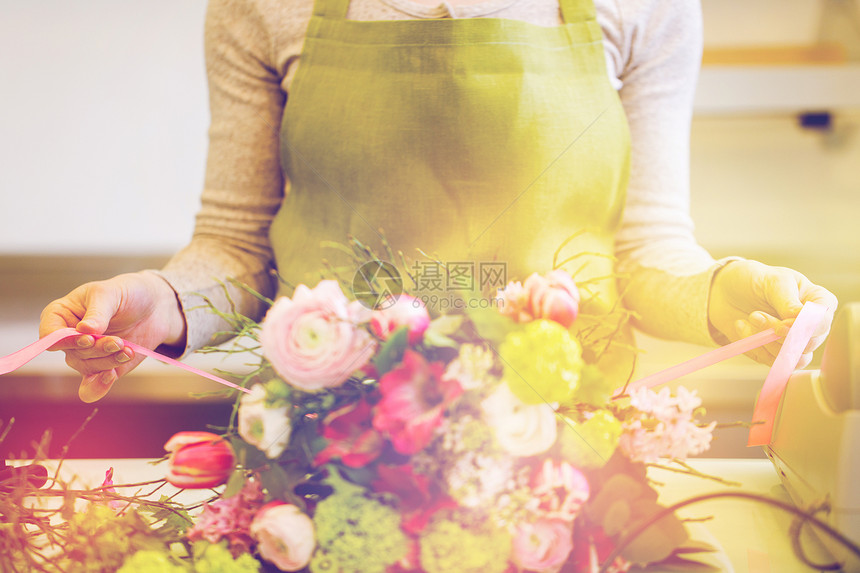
[
  {"x": 102, "y": 304},
  {"x": 783, "y": 294}
]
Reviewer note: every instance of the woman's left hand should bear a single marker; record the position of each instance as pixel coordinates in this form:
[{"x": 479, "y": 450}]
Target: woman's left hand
[{"x": 748, "y": 297}]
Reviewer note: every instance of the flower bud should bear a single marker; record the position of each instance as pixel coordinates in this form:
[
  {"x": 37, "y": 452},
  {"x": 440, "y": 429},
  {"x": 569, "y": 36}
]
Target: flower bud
[
  {"x": 199, "y": 460},
  {"x": 407, "y": 311},
  {"x": 553, "y": 296}
]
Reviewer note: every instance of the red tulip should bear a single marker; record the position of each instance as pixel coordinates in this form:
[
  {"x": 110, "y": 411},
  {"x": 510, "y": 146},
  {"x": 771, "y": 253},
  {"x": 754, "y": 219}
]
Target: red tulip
[{"x": 199, "y": 460}]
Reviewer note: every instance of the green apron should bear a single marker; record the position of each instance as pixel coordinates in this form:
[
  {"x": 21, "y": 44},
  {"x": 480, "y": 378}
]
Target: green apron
[
  {"x": 474, "y": 140},
  {"x": 481, "y": 144}
]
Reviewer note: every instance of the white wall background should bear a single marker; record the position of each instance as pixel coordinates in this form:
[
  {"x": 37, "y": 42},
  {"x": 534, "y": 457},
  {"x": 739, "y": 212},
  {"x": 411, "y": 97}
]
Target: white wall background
[{"x": 103, "y": 117}]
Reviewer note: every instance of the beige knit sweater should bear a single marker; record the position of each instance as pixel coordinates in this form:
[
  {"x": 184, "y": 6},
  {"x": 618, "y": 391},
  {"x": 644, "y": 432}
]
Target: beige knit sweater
[{"x": 652, "y": 48}]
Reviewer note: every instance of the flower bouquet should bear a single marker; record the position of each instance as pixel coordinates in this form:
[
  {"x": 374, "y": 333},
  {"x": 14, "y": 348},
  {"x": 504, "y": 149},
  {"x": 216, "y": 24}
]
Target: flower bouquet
[{"x": 377, "y": 439}]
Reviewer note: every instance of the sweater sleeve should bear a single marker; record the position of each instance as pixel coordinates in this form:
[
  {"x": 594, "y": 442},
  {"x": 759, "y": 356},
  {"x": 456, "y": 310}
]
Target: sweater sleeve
[
  {"x": 243, "y": 183},
  {"x": 665, "y": 274}
]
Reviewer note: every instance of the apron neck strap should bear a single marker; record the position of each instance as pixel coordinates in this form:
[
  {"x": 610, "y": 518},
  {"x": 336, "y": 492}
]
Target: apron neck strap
[
  {"x": 571, "y": 10},
  {"x": 331, "y": 9},
  {"x": 577, "y": 10}
]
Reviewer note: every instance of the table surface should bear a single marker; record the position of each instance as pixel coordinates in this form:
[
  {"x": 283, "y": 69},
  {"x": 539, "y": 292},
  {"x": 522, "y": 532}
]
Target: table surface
[{"x": 754, "y": 537}]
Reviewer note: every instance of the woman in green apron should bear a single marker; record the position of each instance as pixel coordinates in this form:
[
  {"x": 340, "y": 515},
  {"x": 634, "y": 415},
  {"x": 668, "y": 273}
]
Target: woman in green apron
[{"x": 484, "y": 140}]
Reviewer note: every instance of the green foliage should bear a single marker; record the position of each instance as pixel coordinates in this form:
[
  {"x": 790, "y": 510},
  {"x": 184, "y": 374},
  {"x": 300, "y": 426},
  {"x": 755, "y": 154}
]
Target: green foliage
[
  {"x": 391, "y": 352},
  {"x": 452, "y": 542},
  {"x": 623, "y": 504},
  {"x": 542, "y": 362},
  {"x": 490, "y": 325},
  {"x": 356, "y": 532}
]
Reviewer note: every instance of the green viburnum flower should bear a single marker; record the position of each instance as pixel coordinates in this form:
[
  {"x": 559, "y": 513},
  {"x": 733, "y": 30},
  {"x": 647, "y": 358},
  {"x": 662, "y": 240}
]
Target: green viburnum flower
[
  {"x": 542, "y": 362},
  {"x": 589, "y": 444},
  {"x": 449, "y": 545},
  {"x": 151, "y": 561},
  {"x": 356, "y": 533},
  {"x": 216, "y": 558}
]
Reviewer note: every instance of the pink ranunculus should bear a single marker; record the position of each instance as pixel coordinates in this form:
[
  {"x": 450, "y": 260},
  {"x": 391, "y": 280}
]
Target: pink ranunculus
[
  {"x": 414, "y": 399},
  {"x": 199, "y": 460},
  {"x": 406, "y": 311},
  {"x": 561, "y": 490},
  {"x": 543, "y": 545},
  {"x": 285, "y": 535},
  {"x": 314, "y": 340},
  {"x": 553, "y": 296}
]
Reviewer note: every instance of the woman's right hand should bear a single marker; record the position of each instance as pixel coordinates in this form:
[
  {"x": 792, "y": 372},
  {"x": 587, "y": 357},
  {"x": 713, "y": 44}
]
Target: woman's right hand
[{"x": 139, "y": 307}]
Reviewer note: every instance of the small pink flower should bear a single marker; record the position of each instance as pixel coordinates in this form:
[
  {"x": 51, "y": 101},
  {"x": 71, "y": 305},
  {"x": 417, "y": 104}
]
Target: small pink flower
[
  {"x": 561, "y": 490},
  {"x": 414, "y": 399},
  {"x": 406, "y": 311},
  {"x": 230, "y": 518},
  {"x": 107, "y": 485},
  {"x": 553, "y": 296},
  {"x": 314, "y": 340},
  {"x": 543, "y": 545},
  {"x": 199, "y": 460},
  {"x": 285, "y": 535}
]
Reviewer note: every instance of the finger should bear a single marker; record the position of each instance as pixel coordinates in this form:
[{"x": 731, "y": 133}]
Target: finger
[
  {"x": 764, "y": 354},
  {"x": 94, "y": 387},
  {"x": 783, "y": 293},
  {"x": 110, "y": 362},
  {"x": 88, "y": 347},
  {"x": 101, "y": 304}
]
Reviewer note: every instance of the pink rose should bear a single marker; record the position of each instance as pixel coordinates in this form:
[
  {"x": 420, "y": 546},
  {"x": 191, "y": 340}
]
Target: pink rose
[
  {"x": 285, "y": 536},
  {"x": 313, "y": 340},
  {"x": 561, "y": 490},
  {"x": 543, "y": 545},
  {"x": 553, "y": 296},
  {"x": 406, "y": 311}
]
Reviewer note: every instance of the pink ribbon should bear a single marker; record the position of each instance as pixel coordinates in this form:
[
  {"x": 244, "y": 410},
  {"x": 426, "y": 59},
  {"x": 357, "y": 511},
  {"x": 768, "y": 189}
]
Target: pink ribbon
[
  {"x": 25, "y": 355},
  {"x": 798, "y": 337},
  {"x": 786, "y": 361}
]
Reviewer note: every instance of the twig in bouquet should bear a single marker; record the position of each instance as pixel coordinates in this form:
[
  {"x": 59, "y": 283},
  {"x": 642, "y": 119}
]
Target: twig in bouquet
[
  {"x": 65, "y": 450},
  {"x": 787, "y": 507},
  {"x": 689, "y": 470},
  {"x": 259, "y": 296},
  {"x": 795, "y": 531},
  {"x": 6, "y": 429},
  {"x": 566, "y": 242},
  {"x": 572, "y": 258}
]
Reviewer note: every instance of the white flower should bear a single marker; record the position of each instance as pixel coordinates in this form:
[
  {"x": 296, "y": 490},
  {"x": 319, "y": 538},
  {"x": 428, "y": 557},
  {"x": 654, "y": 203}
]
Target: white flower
[
  {"x": 471, "y": 368},
  {"x": 520, "y": 429},
  {"x": 285, "y": 536},
  {"x": 476, "y": 480},
  {"x": 262, "y": 425}
]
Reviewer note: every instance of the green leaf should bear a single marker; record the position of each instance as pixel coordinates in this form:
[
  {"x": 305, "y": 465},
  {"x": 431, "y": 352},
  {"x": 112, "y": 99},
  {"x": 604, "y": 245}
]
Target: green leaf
[
  {"x": 682, "y": 565},
  {"x": 491, "y": 326},
  {"x": 234, "y": 483},
  {"x": 616, "y": 517},
  {"x": 391, "y": 352},
  {"x": 659, "y": 540},
  {"x": 438, "y": 334}
]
